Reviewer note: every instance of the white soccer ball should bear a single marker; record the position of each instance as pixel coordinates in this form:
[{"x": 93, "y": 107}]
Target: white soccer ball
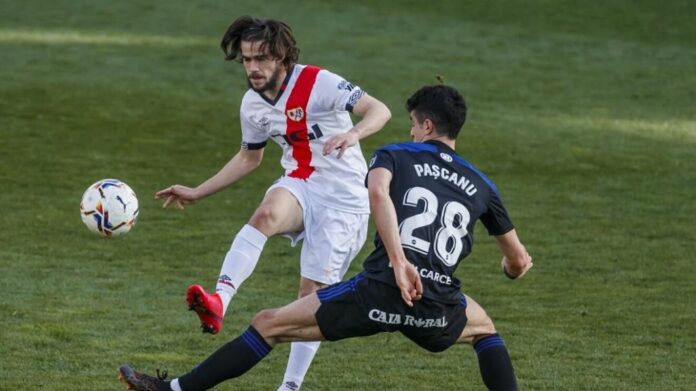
[{"x": 109, "y": 207}]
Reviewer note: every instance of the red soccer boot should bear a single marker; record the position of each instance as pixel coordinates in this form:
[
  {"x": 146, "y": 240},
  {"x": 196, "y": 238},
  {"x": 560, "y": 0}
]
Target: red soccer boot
[{"x": 208, "y": 307}]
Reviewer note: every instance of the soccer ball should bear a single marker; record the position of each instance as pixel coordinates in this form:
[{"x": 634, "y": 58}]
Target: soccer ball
[{"x": 109, "y": 207}]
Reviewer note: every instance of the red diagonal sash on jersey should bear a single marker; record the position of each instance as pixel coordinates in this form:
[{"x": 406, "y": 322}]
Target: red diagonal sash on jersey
[{"x": 296, "y": 118}]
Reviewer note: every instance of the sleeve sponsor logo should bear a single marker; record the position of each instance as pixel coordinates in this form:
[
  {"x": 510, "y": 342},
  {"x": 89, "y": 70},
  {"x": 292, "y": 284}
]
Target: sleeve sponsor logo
[{"x": 344, "y": 85}]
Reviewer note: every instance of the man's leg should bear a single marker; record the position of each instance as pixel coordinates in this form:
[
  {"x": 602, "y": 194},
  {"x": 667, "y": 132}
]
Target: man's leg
[
  {"x": 294, "y": 322},
  {"x": 332, "y": 240},
  {"x": 341, "y": 316},
  {"x": 279, "y": 212},
  {"x": 301, "y": 353},
  {"x": 494, "y": 361}
]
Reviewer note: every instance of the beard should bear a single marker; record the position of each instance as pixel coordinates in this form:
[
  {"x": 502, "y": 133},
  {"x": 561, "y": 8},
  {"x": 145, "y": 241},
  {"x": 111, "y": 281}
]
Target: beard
[{"x": 271, "y": 84}]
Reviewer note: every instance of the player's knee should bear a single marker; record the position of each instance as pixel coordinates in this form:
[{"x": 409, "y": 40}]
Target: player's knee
[
  {"x": 265, "y": 218},
  {"x": 264, "y": 321},
  {"x": 484, "y": 330}
]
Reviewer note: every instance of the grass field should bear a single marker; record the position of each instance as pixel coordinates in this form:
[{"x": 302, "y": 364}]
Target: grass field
[{"x": 583, "y": 115}]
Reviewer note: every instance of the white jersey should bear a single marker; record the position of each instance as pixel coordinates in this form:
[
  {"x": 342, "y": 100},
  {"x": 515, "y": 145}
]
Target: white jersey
[{"x": 313, "y": 104}]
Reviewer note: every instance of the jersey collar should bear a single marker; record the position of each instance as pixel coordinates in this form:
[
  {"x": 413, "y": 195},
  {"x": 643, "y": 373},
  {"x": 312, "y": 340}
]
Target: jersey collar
[
  {"x": 283, "y": 87},
  {"x": 441, "y": 145}
]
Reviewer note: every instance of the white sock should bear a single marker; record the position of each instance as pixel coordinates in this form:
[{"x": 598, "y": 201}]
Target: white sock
[
  {"x": 301, "y": 356},
  {"x": 239, "y": 262},
  {"x": 174, "y": 385}
]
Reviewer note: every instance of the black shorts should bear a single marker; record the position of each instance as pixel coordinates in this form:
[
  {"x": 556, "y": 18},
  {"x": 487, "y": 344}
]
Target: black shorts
[{"x": 362, "y": 306}]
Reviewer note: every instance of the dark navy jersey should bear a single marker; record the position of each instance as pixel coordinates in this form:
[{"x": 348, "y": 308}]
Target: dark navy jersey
[{"x": 438, "y": 198}]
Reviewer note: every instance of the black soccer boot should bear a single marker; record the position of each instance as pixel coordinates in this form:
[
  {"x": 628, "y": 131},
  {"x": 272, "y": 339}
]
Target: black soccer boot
[{"x": 137, "y": 381}]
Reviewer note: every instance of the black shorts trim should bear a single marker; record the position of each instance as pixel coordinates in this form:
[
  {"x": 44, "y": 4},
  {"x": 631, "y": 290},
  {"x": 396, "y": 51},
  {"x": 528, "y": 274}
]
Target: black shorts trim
[{"x": 333, "y": 291}]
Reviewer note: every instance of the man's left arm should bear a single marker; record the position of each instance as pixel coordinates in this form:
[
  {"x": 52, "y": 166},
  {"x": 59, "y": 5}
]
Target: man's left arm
[
  {"x": 373, "y": 116},
  {"x": 516, "y": 261}
]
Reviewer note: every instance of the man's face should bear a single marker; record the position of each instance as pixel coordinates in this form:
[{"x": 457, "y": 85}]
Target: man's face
[
  {"x": 418, "y": 130},
  {"x": 263, "y": 71}
]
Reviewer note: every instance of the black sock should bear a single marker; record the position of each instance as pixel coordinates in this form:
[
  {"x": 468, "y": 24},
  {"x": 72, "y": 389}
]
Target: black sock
[
  {"x": 495, "y": 365},
  {"x": 232, "y": 360}
]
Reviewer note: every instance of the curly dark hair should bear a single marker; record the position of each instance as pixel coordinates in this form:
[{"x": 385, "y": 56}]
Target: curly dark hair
[
  {"x": 273, "y": 34},
  {"x": 443, "y": 105}
]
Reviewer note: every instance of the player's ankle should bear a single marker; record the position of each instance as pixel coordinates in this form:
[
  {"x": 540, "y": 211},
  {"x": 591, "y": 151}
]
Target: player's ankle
[{"x": 225, "y": 298}]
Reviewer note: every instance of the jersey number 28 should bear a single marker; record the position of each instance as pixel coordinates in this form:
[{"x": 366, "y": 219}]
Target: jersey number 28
[{"x": 454, "y": 219}]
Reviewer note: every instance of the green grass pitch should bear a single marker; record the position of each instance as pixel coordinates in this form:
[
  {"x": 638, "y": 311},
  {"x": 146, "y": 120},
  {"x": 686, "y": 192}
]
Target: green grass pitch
[{"x": 583, "y": 114}]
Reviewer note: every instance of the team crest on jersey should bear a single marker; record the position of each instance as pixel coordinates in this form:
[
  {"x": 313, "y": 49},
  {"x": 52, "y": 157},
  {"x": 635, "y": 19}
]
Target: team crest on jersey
[
  {"x": 446, "y": 157},
  {"x": 296, "y": 114}
]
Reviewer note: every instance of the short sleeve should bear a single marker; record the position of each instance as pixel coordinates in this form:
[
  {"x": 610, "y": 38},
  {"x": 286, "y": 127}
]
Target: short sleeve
[
  {"x": 382, "y": 158},
  {"x": 253, "y": 136},
  {"x": 334, "y": 93},
  {"x": 496, "y": 218}
]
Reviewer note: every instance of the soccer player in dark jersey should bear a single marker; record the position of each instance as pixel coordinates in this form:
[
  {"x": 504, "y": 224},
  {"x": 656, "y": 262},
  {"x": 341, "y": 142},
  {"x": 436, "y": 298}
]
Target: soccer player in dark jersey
[{"x": 425, "y": 200}]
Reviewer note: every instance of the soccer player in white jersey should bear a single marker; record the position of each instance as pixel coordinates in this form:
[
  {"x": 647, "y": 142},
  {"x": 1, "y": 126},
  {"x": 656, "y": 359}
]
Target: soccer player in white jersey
[
  {"x": 321, "y": 197},
  {"x": 425, "y": 200}
]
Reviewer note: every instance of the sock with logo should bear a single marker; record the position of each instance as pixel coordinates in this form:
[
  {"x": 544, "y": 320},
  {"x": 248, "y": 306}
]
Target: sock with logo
[
  {"x": 301, "y": 356},
  {"x": 232, "y": 360},
  {"x": 494, "y": 364},
  {"x": 239, "y": 263}
]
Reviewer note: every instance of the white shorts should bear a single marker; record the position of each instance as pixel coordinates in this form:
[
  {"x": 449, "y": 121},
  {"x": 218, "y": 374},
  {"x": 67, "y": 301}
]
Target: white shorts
[{"x": 332, "y": 238}]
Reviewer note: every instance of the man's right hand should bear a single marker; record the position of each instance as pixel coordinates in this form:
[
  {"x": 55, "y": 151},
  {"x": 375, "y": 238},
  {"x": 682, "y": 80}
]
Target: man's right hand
[
  {"x": 178, "y": 195},
  {"x": 409, "y": 282}
]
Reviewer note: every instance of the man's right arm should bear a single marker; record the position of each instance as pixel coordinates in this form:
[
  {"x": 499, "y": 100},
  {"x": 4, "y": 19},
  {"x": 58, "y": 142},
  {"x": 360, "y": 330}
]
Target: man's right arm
[
  {"x": 384, "y": 216},
  {"x": 516, "y": 261},
  {"x": 241, "y": 164},
  {"x": 244, "y": 162}
]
